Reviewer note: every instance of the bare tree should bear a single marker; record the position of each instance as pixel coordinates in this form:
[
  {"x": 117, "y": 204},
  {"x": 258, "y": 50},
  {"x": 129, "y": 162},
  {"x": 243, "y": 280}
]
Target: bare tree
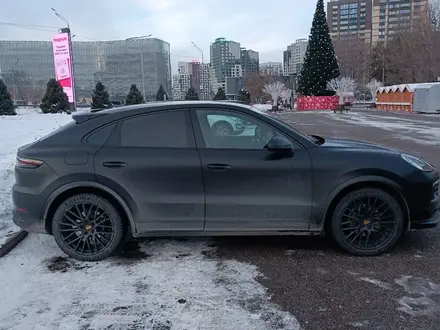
[
  {"x": 373, "y": 86},
  {"x": 341, "y": 86},
  {"x": 434, "y": 14},
  {"x": 254, "y": 84},
  {"x": 287, "y": 94},
  {"x": 353, "y": 54},
  {"x": 413, "y": 54},
  {"x": 275, "y": 90}
]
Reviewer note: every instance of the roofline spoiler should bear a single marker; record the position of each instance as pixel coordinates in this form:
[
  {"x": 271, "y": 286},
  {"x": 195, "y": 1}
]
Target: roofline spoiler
[{"x": 83, "y": 116}]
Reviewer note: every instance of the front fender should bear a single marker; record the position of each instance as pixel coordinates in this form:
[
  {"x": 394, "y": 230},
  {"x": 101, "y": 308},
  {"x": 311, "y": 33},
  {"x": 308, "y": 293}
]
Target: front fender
[{"x": 321, "y": 213}]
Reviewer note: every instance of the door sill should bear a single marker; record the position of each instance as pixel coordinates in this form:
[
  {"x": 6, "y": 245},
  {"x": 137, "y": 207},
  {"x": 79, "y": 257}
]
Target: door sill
[{"x": 227, "y": 233}]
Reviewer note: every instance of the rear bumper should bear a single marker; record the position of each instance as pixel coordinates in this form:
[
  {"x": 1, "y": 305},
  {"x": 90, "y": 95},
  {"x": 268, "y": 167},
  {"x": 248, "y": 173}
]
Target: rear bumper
[
  {"x": 28, "y": 222},
  {"x": 26, "y": 214}
]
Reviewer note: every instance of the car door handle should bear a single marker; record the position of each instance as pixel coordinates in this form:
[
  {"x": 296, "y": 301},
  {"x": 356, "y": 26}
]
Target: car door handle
[
  {"x": 219, "y": 167},
  {"x": 114, "y": 164}
]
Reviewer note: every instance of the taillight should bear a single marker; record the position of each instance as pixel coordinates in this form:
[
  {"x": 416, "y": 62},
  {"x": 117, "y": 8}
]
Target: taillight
[{"x": 28, "y": 163}]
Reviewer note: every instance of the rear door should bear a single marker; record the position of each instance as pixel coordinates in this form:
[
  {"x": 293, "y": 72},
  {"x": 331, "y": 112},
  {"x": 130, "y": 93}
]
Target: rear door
[{"x": 151, "y": 160}]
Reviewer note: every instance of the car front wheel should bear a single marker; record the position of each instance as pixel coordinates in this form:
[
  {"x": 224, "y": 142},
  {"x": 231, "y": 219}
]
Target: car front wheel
[
  {"x": 367, "y": 222},
  {"x": 87, "y": 227}
]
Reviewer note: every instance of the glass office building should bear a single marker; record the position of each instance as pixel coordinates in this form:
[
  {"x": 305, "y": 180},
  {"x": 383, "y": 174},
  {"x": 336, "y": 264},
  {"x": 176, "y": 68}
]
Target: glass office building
[{"x": 26, "y": 66}]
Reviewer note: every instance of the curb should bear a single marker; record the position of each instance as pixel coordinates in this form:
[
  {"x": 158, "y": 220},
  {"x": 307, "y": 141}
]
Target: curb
[{"x": 12, "y": 242}]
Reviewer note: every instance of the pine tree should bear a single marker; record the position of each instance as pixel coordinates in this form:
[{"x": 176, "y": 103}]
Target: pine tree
[
  {"x": 134, "y": 96},
  {"x": 244, "y": 96},
  {"x": 191, "y": 94},
  {"x": 54, "y": 100},
  {"x": 221, "y": 95},
  {"x": 161, "y": 95},
  {"x": 100, "y": 97},
  {"x": 320, "y": 63},
  {"x": 6, "y": 104}
]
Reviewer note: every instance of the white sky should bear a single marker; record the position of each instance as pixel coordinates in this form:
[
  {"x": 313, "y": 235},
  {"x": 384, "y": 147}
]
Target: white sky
[{"x": 267, "y": 27}]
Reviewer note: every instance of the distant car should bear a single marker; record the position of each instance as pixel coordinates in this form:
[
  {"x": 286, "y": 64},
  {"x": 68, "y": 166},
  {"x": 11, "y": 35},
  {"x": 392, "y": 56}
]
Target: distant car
[
  {"x": 160, "y": 169},
  {"x": 226, "y": 125}
]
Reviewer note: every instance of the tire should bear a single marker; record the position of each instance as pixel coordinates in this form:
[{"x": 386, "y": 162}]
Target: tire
[
  {"x": 224, "y": 127},
  {"x": 387, "y": 216},
  {"x": 99, "y": 229}
]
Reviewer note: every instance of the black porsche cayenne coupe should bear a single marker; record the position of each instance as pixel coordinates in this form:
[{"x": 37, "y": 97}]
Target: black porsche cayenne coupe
[{"x": 214, "y": 168}]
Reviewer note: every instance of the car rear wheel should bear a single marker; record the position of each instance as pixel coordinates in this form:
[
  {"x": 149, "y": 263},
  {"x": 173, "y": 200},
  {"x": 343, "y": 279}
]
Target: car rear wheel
[
  {"x": 367, "y": 222},
  {"x": 87, "y": 227},
  {"x": 222, "y": 129}
]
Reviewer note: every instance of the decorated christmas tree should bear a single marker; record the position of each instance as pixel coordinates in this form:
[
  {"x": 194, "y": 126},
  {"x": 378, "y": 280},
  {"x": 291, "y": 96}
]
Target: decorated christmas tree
[{"x": 320, "y": 63}]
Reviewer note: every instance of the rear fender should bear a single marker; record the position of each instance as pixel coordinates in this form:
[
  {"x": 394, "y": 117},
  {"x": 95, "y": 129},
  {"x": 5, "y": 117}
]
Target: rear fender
[{"x": 90, "y": 184}]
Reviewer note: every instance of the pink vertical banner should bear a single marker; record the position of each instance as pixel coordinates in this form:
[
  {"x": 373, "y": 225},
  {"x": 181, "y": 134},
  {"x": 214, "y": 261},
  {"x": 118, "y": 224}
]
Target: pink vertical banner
[{"x": 63, "y": 67}]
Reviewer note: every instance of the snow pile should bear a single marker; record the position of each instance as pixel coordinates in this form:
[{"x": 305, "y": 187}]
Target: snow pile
[
  {"x": 173, "y": 285},
  {"x": 15, "y": 131}
]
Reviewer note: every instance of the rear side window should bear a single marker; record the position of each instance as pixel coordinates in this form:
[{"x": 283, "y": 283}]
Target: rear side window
[
  {"x": 170, "y": 129},
  {"x": 101, "y": 135}
]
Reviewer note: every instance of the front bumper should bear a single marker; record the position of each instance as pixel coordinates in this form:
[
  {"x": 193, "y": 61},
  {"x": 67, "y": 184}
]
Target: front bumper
[
  {"x": 431, "y": 222},
  {"x": 427, "y": 216}
]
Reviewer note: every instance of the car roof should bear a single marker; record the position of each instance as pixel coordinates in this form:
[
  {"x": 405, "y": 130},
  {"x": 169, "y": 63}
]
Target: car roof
[{"x": 128, "y": 110}]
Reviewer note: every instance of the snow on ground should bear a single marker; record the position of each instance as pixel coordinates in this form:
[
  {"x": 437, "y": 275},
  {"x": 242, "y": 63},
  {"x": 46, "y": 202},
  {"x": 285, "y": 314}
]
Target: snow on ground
[
  {"x": 173, "y": 285},
  {"x": 427, "y": 132},
  {"x": 168, "y": 284},
  {"x": 27, "y": 126}
]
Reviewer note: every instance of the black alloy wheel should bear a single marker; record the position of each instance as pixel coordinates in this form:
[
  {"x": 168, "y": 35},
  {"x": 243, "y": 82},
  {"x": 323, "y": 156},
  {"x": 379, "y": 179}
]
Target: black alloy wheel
[
  {"x": 87, "y": 227},
  {"x": 368, "y": 222}
]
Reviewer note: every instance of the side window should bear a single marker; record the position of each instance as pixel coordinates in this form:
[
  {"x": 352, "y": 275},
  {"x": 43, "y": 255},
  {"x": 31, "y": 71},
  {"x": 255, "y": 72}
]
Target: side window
[
  {"x": 157, "y": 130},
  {"x": 100, "y": 136},
  {"x": 233, "y": 130}
]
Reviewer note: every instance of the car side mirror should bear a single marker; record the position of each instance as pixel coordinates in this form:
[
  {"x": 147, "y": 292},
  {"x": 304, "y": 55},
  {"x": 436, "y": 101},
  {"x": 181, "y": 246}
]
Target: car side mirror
[{"x": 279, "y": 144}]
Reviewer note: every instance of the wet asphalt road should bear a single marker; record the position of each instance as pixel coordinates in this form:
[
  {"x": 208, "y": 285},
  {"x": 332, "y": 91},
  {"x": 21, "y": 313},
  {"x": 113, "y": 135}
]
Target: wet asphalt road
[{"x": 328, "y": 289}]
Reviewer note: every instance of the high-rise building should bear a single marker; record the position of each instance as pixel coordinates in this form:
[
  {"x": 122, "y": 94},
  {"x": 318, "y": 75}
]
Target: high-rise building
[
  {"x": 181, "y": 81},
  {"x": 28, "y": 65},
  {"x": 349, "y": 19},
  {"x": 224, "y": 56},
  {"x": 191, "y": 74},
  {"x": 392, "y": 16},
  {"x": 229, "y": 64},
  {"x": 250, "y": 60},
  {"x": 373, "y": 20},
  {"x": 293, "y": 57},
  {"x": 205, "y": 82},
  {"x": 271, "y": 68}
]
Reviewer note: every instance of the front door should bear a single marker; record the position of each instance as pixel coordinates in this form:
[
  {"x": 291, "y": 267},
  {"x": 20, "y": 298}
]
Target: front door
[
  {"x": 152, "y": 162},
  {"x": 246, "y": 187}
]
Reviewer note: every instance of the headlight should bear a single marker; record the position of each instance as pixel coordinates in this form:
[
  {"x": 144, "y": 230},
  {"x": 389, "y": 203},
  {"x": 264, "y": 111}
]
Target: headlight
[{"x": 418, "y": 163}]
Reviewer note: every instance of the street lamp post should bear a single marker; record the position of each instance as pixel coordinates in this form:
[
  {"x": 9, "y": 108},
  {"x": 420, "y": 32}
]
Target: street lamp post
[
  {"x": 69, "y": 35},
  {"x": 203, "y": 70}
]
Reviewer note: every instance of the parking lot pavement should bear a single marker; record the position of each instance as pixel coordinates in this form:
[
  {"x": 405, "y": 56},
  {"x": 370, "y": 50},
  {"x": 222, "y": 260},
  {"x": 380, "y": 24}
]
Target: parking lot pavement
[{"x": 327, "y": 289}]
